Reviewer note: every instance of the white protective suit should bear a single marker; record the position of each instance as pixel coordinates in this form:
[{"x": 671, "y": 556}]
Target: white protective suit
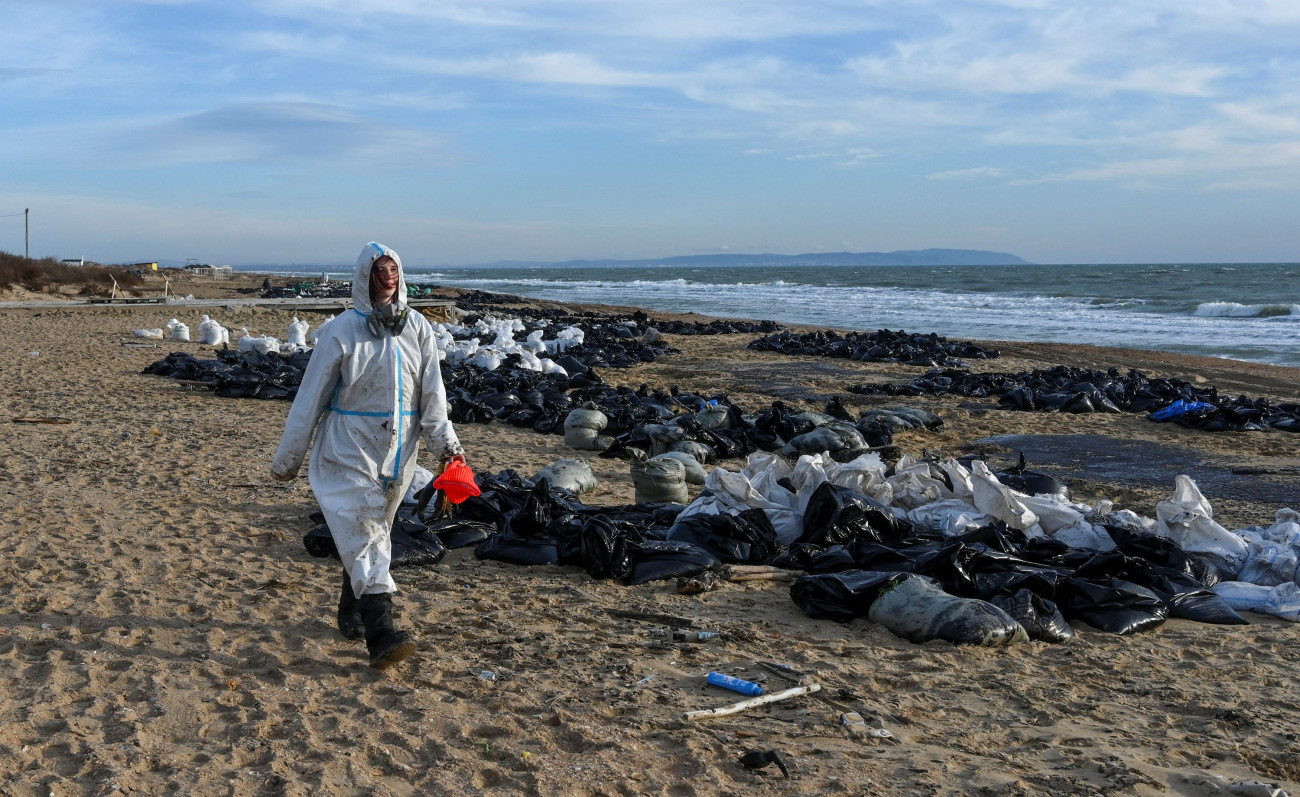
[{"x": 369, "y": 399}]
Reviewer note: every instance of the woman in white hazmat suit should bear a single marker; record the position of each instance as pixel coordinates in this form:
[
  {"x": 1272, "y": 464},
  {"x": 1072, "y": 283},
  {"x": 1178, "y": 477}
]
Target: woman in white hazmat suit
[{"x": 371, "y": 391}]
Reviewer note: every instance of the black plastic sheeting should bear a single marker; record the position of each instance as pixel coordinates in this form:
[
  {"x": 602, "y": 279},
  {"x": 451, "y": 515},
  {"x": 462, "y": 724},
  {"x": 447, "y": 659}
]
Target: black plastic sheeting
[
  {"x": 1133, "y": 588},
  {"x": 1077, "y": 390},
  {"x": 883, "y": 345}
]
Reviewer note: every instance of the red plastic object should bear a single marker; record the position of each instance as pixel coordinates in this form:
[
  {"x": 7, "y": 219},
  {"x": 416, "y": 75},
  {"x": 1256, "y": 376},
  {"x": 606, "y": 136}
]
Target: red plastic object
[{"x": 457, "y": 482}]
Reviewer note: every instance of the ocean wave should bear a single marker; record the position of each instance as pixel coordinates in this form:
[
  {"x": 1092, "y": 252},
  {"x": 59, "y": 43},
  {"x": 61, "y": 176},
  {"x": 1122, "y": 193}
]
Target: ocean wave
[{"x": 1236, "y": 310}]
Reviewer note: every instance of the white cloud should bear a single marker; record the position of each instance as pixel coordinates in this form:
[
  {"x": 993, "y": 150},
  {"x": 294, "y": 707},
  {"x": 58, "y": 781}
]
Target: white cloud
[{"x": 973, "y": 173}]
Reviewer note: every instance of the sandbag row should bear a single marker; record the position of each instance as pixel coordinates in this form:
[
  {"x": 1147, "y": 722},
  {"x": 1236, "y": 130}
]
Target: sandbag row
[
  {"x": 1077, "y": 390},
  {"x": 883, "y": 345}
]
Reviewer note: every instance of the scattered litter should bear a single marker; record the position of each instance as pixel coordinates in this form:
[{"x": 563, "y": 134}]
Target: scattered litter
[
  {"x": 754, "y": 759},
  {"x": 646, "y": 679},
  {"x": 853, "y": 721},
  {"x": 761, "y": 700},
  {"x": 694, "y": 636},
  {"x": 43, "y": 419},
  {"x": 486, "y": 675},
  {"x": 734, "y": 684}
]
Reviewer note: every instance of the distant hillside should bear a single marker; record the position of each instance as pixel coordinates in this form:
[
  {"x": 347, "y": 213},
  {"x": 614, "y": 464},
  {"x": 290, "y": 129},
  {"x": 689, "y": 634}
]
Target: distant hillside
[{"x": 912, "y": 257}]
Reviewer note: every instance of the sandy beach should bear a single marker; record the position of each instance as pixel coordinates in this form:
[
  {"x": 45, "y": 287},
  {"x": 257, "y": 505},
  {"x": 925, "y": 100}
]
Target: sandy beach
[{"x": 167, "y": 633}]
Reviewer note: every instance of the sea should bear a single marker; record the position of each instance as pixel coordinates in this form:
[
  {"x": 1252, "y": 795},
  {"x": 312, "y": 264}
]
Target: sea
[{"x": 1241, "y": 311}]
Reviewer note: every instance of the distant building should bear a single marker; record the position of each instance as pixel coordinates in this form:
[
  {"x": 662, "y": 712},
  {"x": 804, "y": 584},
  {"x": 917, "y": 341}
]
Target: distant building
[{"x": 73, "y": 261}]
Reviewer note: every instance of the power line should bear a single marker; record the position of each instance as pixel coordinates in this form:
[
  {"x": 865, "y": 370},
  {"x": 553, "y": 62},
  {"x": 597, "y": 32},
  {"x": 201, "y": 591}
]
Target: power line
[{"x": 11, "y": 215}]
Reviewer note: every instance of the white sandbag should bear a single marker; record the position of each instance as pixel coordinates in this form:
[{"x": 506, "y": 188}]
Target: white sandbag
[
  {"x": 179, "y": 331},
  {"x": 992, "y": 497},
  {"x": 919, "y": 611},
  {"x": 1282, "y": 600},
  {"x": 662, "y": 436},
  {"x": 714, "y": 416},
  {"x": 1285, "y": 530},
  {"x": 695, "y": 472},
  {"x": 151, "y": 334},
  {"x": 298, "y": 332},
  {"x": 549, "y": 366},
  {"x": 660, "y": 481},
  {"x": 764, "y": 472},
  {"x": 534, "y": 342},
  {"x": 419, "y": 481},
  {"x": 865, "y": 474},
  {"x": 211, "y": 333},
  {"x": 313, "y": 337},
  {"x": 914, "y": 484},
  {"x": 573, "y": 475},
  {"x": 951, "y": 516},
  {"x": 582, "y": 429},
  {"x": 486, "y": 358},
  {"x": 262, "y": 345},
  {"x": 732, "y": 492},
  {"x": 1188, "y": 520},
  {"x": 1267, "y": 563},
  {"x": 700, "y": 452},
  {"x": 1061, "y": 521},
  {"x": 960, "y": 477}
]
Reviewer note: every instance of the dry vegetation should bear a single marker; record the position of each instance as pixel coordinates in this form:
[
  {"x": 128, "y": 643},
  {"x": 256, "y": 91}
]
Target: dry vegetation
[{"x": 48, "y": 275}]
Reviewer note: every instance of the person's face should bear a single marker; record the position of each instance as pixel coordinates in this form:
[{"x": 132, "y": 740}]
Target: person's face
[{"x": 383, "y": 281}]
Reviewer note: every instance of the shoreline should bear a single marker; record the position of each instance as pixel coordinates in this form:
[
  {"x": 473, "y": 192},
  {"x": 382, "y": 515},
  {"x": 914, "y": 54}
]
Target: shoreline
[{"x": 169, "y": 633}]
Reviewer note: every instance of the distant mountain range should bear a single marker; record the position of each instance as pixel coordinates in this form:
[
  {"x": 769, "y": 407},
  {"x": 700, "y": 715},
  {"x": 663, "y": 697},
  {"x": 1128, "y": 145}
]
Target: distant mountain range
[{"x": 909, "y": 257}]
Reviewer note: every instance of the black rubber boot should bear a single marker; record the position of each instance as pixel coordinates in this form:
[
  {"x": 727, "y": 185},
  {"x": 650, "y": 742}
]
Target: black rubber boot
[
  {"x": 350, "y": 625},
  {"x": 386, "y": 644}
]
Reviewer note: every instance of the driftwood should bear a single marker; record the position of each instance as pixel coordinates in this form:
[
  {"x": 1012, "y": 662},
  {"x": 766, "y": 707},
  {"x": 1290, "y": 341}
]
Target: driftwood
[
  {"x": 761, "y": 700},
  {"x": 759, "y": 573}
]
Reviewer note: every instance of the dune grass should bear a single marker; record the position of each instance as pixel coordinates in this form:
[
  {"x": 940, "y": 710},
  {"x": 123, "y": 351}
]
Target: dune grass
[{"x": 48, "y": 275}]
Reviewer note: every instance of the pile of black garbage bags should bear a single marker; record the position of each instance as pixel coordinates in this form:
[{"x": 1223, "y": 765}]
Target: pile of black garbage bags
[
  {"x": 1078, "y": 390},
  {"x": 883, "y": 345},
  {"x": 853, "y": 551}
]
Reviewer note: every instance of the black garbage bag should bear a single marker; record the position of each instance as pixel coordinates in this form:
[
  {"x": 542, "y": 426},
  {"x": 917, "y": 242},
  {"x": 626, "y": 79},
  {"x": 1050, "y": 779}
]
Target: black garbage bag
[
  {"x": 841, "y": 596},
  {"x": 919, "y": 611},
  {"x": 638, "y": 561},
  {"x": 319, "y": 542},
  {"x": 1188, "y": 599},
  {"x": 456, "y": 533},
  {"x": 839, "y": 514},
  {"x": 747, "y": 538},
  {"x": 511, "y": 548},
  {"x": 1163, "y": 552},
  {"x": 1040, "y": 617},
  {"x": 1113, "y": 604},
  {"x": 413, "y": 544},
  {"x": 599, "y": 540}
]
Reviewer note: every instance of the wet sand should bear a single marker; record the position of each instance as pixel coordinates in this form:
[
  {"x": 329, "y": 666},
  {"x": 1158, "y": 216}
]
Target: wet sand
[{"x": 167, "y": 633}]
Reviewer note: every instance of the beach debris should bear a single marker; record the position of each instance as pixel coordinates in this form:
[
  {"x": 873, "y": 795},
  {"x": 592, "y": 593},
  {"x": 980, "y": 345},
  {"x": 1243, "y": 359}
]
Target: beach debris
[
  {"x": 694, "y": 636},
  {"x": 761, "y": 700},
  {"x": 653, "y": 617},
  {"x": 697, "y": 584},
  {"x": 154, "y": 333},
  {"x": 50, "y": 419},
  {"x": 1255, "y": 788},
  {"x": 755, "y": 759},
  {"x": 733, "y": 683}
]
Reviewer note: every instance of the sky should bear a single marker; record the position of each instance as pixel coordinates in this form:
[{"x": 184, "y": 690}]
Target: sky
[{"x": 294, "y": 131}]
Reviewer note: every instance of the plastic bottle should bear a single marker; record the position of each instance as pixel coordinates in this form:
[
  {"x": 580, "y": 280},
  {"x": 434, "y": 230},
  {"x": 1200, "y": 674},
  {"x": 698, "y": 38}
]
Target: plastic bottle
[
  {"x": 694, "y": 636},
  {"x": 735, "y": 684}
]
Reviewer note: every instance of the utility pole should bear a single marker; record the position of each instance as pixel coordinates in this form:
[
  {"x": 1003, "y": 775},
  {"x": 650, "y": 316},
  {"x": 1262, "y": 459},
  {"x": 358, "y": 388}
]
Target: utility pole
[{"x": 27, "y": 238}]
